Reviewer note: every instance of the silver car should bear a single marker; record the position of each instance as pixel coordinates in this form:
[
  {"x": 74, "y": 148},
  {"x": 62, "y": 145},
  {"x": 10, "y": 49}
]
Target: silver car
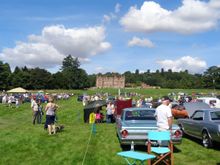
[
  {"x": 204, "y": 124},
  {"x": 135, "y": 123}
]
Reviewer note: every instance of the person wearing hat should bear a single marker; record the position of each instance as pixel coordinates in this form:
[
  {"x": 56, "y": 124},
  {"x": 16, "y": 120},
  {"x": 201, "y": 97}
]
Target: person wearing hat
[
  {"x": 163, "y": 115},
  {"x": 50, "y": 109}
]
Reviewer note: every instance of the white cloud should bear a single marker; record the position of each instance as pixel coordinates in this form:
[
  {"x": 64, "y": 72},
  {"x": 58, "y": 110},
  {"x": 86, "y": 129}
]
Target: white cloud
[
  {"x": 117, "y": 8},
  {"x": 55, "y": 42},
  {"x": 135, "y": 41},
  {"x": 193, "y": 16},
  {"x": 192, "y": 64},
  {"x": 106, "y": 18},
  {"x": 101, "y": 69},
  {"x": 215, "y": 3},
  {"x": 111, "y": 16}
]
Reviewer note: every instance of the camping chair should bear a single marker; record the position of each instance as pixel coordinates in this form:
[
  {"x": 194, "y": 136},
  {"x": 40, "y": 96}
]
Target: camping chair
[
  {"x": 163, "y": 153},
  {"x": 131, "y": 157}
]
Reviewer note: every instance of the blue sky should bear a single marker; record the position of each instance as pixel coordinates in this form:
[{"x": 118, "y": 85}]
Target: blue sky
[{"x": 111, "y": 35}]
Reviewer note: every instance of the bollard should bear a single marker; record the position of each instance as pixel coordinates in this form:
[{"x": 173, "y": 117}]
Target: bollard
[{"x": 93, "y": 128}]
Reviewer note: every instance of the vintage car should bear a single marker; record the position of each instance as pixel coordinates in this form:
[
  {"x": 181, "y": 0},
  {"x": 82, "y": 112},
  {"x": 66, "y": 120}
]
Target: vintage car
[
  {"x": 134, "y": 124},
  {"x": 179, "y": 111},
  {"x": 204, "y": 124}
]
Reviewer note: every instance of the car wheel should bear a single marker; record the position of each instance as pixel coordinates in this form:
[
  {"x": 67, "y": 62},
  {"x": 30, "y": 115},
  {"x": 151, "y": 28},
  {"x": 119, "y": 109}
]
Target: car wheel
[{"x": 206, "y": 140}]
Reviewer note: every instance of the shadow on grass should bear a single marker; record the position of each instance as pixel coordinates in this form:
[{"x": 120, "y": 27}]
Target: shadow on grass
[{"x": 216, "y": 146}]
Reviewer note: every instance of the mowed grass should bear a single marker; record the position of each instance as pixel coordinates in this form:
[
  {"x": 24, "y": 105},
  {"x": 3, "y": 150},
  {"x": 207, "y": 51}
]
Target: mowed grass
[{"x": 21, "y": 142}]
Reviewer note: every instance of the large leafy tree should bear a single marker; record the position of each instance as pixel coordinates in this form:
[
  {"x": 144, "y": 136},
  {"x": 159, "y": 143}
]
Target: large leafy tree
[
  {"x": 212, "y": 77},
  {"x": 40, "y": 79},
  {"x": 75, "y": 77},
  {"x": 58, "y": 81},
  {"x": 21, "y": 78},
  {"x": 5, "y": 73}
]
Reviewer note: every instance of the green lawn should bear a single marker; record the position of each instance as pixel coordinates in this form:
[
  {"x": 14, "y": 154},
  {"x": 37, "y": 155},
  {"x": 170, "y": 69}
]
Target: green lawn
[{"x": 24, "y": 143}]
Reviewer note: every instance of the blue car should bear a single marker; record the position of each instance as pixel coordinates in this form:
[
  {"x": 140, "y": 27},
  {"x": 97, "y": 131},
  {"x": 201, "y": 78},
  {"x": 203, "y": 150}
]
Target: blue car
[{"x": 134, "y": 124}]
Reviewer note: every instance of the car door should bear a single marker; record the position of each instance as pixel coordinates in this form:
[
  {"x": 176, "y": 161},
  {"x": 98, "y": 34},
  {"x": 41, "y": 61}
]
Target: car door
[{"x": 196, "y": 124}]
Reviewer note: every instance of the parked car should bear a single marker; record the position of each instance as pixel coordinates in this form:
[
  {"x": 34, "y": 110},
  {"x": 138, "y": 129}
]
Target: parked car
[
  {"x": 204, "y": 124},
  {"x": 213, "y": 102},
  {"x": 134, "y": 124},
  {"x": 191, "y": 107},
  {"x": 179, "y": 111}
]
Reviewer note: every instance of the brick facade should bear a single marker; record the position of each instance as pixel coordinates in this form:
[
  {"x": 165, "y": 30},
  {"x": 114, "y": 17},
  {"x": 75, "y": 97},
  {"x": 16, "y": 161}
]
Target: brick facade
[{"x": 110, "y": 82}]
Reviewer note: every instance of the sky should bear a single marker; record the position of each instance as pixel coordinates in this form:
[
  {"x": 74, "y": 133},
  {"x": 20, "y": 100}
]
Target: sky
[{"x": 111, "y": 35}]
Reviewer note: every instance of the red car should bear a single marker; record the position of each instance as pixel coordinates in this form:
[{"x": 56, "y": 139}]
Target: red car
[{"x": 179, "y": 111}]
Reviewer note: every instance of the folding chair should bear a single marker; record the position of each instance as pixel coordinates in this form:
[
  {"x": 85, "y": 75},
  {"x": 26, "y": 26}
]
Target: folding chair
[
  {"x": 131, "y": 157},
  {"x": 163, "y": 153}
]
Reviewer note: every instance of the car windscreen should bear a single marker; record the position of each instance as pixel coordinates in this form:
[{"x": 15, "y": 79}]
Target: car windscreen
[
  {"x": 140, "y": 115},
  {"x": 215, "y": 115}
]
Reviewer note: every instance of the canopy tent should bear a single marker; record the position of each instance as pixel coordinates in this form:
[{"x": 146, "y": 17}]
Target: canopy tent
[
  {"x": 93, "y": 107},
  {"x": 41, "y": 92},
  {"x": 17, "y": 90},
  {"x": 95, "y": 104}
]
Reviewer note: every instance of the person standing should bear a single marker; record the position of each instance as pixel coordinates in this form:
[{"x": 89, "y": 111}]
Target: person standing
[
  {"x": 163, "y": 115},
  {"x": 40, "y": 112},
  {"x": 34, "y": 107},
  {"x": 109, "y": 112},
  {"x": 50, "y": 109}
]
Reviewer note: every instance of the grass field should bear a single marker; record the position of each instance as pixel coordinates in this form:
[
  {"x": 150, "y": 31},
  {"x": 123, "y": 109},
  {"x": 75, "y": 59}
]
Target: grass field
[{"x": 21, "y": 142}]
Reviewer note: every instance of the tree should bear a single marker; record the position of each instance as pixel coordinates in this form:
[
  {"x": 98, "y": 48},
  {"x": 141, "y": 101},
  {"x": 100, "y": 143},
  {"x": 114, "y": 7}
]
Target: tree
[
  {"x": 58, "y": 81},
  {"x": 92, "y": 80},
  {"x": 75, "y": 77},
  {"x": 40, "y": 78},
  {"x": 69, "y": 63},
  {"x": 212, "y": 77},
  {"x": 5, "y": 73},
  {"x": 137, "y": 71},
  {"x": 21, "y": 78}
]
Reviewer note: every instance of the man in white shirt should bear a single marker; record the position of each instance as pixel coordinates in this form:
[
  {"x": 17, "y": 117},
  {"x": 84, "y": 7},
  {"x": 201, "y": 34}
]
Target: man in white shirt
[
  {"x": 163, "y": 115},
  {"x": 110, "y": 111},
  {"x": 34, "y": 107}
]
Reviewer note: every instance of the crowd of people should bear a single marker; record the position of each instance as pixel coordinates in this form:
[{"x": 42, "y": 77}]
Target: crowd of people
[{"x": 163, "y": 110}]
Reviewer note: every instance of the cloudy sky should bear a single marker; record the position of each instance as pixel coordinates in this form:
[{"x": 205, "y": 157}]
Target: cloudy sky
[{"x": 111, "y": 35}]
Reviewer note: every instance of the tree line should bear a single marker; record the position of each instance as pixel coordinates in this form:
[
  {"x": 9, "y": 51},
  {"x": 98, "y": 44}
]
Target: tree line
[{"x": 71, "y": 76}]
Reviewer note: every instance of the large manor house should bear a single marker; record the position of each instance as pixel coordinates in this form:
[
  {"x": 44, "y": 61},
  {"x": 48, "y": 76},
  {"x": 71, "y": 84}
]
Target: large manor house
[{"x": 110, "y": 81}]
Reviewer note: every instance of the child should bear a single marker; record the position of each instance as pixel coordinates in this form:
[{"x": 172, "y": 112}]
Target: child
[{"x": 98, "y": 117}]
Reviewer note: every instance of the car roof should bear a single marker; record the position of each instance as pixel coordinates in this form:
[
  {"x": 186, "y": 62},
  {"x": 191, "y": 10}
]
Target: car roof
[
  {"x": 138, "y": 108},
  {"x": 209, "y": 109}
]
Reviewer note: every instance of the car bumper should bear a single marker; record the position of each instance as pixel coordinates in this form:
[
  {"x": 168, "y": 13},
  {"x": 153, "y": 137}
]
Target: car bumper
[{"x": 127, "y": 141}]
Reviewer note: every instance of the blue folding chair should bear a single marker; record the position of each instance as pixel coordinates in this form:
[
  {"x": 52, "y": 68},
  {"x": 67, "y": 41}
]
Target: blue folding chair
[
  {"x": 132, "y": 157},
  {"x": 163, "y": 153}
]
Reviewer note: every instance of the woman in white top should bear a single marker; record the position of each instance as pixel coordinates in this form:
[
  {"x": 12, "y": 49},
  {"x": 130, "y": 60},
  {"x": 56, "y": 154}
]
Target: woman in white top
[{"x": 50, "y": 109}]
